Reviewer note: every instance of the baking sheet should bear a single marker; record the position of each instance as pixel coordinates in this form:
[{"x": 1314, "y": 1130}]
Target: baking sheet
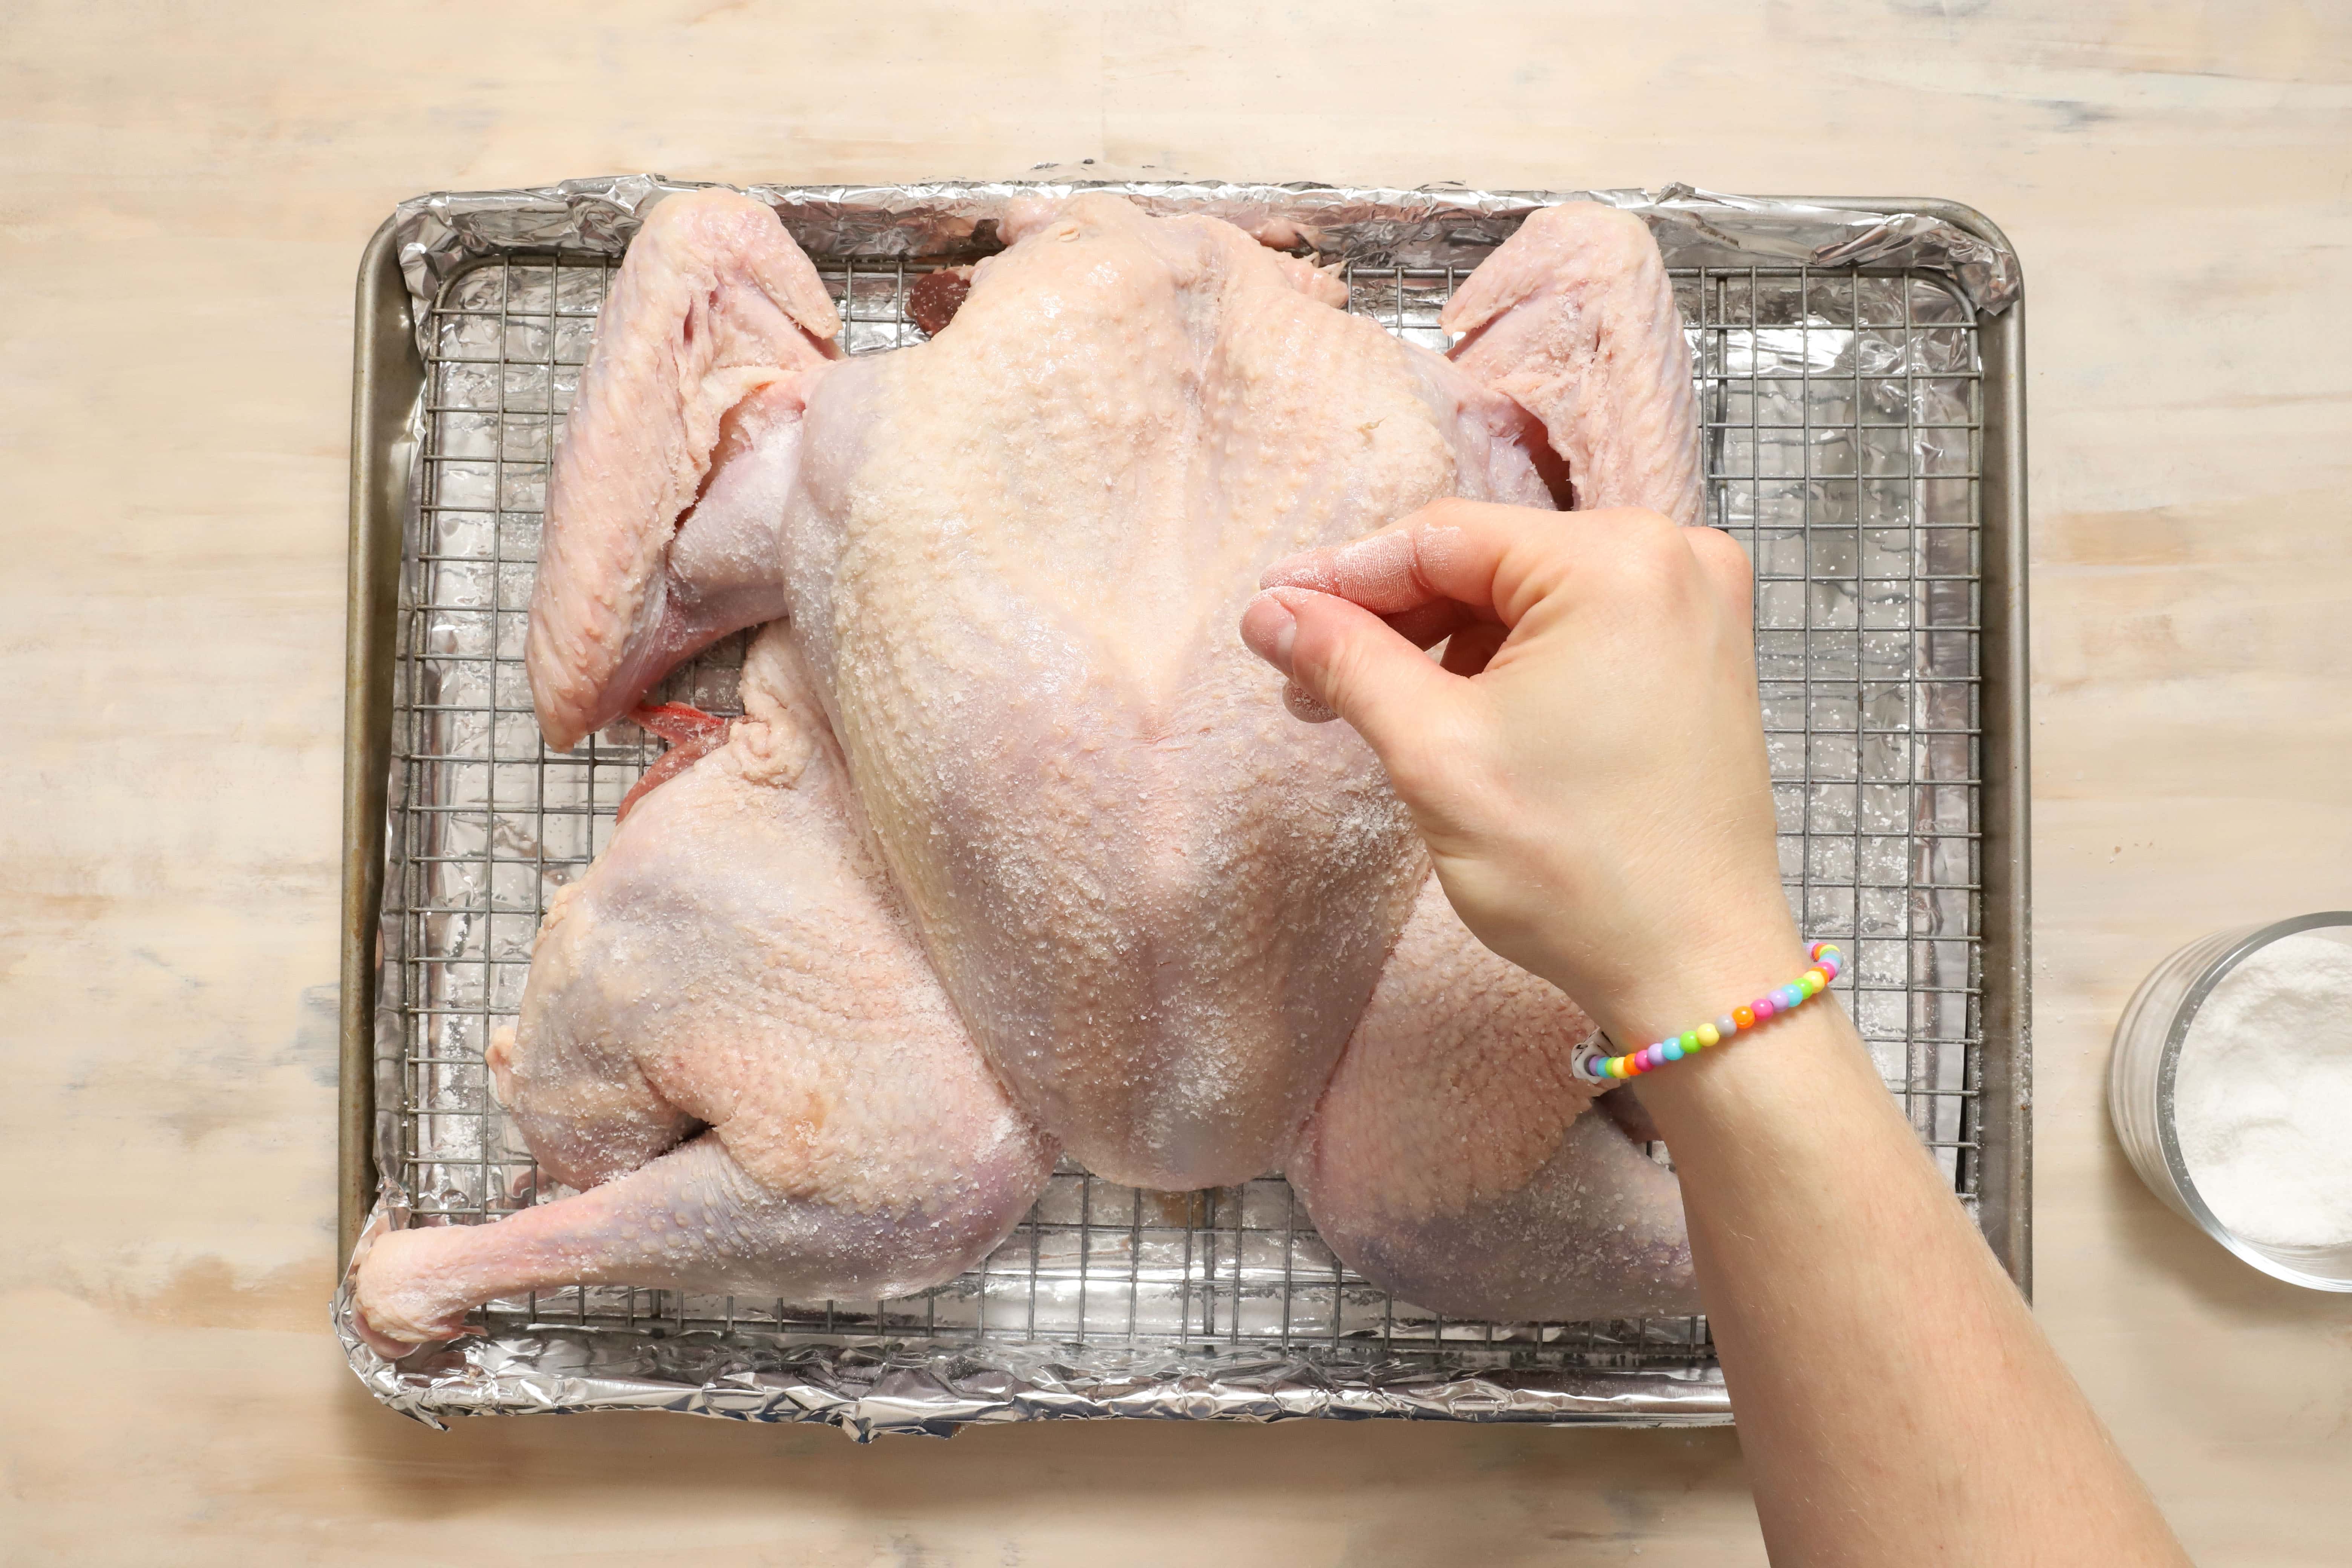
[{"x": 1856, "y": 385}]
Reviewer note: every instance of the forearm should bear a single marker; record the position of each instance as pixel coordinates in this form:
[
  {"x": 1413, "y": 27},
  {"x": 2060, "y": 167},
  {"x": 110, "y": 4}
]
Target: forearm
[
  {"x": 1588, "y": 767},
  {"x": 1896, "y": 1402}
]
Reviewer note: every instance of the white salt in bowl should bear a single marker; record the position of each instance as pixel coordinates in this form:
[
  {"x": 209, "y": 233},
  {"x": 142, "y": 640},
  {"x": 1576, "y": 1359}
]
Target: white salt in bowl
[{"x": 2145, "y": 1085}]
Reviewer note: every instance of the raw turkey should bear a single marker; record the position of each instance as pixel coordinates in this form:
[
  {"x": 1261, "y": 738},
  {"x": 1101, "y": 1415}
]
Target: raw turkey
[
  {"x": 730, "y": 1039},
  {"x": 1111, "y": 880},
  {"x": 1016, "y": 557},
  {"x": 1451, "y": 1159},
  {"x": 676, "y": 460}
]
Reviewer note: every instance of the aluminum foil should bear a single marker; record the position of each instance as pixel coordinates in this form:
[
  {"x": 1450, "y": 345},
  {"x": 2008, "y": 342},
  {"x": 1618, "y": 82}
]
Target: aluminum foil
[
  {"x": 870, "y": 1390},
  {"x": 921, "y": 1367},
  {"x": 1232, "y": 1310},
  {"x": 441, "y": 234}
]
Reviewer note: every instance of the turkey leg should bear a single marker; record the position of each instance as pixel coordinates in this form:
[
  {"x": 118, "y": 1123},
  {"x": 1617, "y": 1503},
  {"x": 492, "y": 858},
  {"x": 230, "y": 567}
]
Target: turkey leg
[
  {"x": 736, "y": 961},
  {"x": 1456, "y": 1159}
]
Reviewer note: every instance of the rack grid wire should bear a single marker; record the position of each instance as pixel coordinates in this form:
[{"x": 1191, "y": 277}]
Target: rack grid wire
[{"x": 1842, "y": 414}]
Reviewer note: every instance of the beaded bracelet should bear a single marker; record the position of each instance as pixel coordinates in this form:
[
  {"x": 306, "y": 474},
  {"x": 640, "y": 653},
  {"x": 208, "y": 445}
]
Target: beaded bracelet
[{"x": 1593, "y": 1066}]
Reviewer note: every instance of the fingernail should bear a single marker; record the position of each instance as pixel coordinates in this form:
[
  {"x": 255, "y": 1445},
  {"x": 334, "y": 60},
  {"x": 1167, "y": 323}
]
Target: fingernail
[{"x": 1269, "y": 628}]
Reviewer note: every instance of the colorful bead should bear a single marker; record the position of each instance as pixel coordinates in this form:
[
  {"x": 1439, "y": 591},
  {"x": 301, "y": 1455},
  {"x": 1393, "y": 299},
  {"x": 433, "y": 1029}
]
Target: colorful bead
[{"x": 1593, "y": 1066}]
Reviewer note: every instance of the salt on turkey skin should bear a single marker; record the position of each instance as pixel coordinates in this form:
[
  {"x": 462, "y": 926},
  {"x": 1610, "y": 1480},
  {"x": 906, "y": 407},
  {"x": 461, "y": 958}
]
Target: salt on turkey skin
[{"x": 1054, "y": 864}]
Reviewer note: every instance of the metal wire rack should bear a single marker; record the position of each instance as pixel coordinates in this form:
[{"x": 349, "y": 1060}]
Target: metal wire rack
[{"x": 1843, "y": 417}]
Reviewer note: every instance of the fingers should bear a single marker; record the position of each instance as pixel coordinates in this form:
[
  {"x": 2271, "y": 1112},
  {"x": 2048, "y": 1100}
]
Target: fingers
[
  {"x": 1344, "y": 659},
  {"x": 1426, "y": 625},
  {"x": 1304, "y": 705},
  {"x": 1344, "y": 623},
  {"x": 1486, "y": 561},
  {"x": 1446, "y": 553},
  {"x": 1467, "y": 650}
]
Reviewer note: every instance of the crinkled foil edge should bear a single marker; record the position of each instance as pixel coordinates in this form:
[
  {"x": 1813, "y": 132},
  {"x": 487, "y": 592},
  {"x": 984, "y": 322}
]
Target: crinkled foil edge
[
  {"x": 874, "y": 1387},
  {"x": 870, "y": 1388},
  {"x": 882, "y": 1388},
  {"x": 440, "y": 235}
]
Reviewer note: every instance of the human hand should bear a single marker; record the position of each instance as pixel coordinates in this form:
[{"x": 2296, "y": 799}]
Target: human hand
[{"x": 1587, "y": 764}]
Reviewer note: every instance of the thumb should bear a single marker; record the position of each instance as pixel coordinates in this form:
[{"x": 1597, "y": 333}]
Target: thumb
[{"x": 1353, "y": 663}]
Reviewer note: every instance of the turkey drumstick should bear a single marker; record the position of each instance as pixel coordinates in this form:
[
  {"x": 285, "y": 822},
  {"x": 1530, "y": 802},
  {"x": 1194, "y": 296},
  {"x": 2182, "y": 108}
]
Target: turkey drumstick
[{"x": 734, "y": 961}]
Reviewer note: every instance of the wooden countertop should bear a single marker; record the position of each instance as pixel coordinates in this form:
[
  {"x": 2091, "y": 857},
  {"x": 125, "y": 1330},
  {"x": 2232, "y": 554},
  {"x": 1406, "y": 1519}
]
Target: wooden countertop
[{"x": 183, "y": 195}]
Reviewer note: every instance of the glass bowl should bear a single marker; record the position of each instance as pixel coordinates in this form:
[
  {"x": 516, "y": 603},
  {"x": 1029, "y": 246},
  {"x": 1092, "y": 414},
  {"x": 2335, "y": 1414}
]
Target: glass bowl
[{"x": 2147, "y": 1060}]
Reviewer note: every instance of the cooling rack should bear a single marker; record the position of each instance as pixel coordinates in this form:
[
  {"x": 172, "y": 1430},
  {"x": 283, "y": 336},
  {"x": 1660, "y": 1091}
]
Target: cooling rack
[{"x": 1859, "y": 430}]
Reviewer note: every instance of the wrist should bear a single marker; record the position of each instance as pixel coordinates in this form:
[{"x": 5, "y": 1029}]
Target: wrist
[
  {"x": 1698, "y": 980},
  {"x": 1803, "y": 1073},
  {"x": 1612, "y": 1061}
]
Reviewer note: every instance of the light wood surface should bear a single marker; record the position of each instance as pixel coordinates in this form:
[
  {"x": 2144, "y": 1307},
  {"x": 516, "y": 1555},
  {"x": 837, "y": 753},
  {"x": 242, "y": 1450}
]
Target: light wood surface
[{"x": 183, "y": 195}]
